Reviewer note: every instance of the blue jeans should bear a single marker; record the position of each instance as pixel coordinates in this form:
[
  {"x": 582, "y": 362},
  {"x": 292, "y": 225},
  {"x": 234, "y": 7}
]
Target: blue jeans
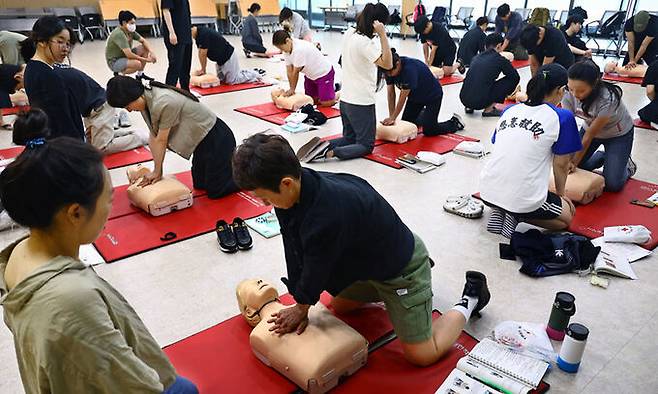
[
  {"x": 181, "y": 386},
  {"x": 614, "y": 159}
]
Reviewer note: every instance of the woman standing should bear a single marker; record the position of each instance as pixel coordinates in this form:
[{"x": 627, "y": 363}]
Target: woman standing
[
  {"x": 361, "y": 55},
  {"x": 177, "y": 34},
  {"x": 607, "y": 123},
  {"x": 49, "y": 43},
  {"x": 73, "y": 332},
  {"x": 179, "y": 122},
  {"x": 529, "y": 139}
]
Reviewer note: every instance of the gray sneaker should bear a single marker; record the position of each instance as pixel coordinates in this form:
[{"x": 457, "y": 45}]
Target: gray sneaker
[
  {"x": 632, "y": 167},
  {"x": 124, "y": 119}
]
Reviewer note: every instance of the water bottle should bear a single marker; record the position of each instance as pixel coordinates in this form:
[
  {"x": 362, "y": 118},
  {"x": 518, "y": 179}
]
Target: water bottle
[
  {"x": 564, "y": 307},
  {"x": 572, "y": 348}
]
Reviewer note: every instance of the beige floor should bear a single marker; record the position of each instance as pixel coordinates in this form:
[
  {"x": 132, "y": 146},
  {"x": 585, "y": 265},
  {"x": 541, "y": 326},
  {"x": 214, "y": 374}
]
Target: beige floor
[{"x": 189, "y": 286}]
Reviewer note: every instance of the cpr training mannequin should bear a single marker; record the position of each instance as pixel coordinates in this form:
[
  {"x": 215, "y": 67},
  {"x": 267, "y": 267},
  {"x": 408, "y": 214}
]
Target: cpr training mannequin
[
  {"x": 517, "y": 95},
  {"x": 314, "y": 360},
  {"x": 158, "y": 198},
  {"x": 291, "y": 103},
  {"x": 636, "y": 72},
  {"x": 400, "y": 132},
  {"x": 437, "y": 71},
  {"x": 582, "y": 186},
  {"x": 204, "y": 81}
]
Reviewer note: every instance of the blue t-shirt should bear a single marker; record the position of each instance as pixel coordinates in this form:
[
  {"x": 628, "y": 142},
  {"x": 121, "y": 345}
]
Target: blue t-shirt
[{"x": 417, "y": 77}]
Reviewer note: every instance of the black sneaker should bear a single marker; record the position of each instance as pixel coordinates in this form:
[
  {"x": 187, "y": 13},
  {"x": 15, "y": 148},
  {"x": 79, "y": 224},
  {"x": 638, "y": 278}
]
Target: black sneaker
[
  {"x": 469, "y": 110},
  {"x": 308, "y": 147},
  {"x": 227, "y": 241},
  {"x": 317, "y": 153},
  {"x": 494, "y": 113},
  {"x": 632, "y": 167},
  {"x": 476, "y": 286},
  {"x": 247, "y": 53},
  {"x": 458, "y": 121},
  {"x": 242, "y": 235},
  {"x": 461, "y": 68},
  {"x": 337, "y": 87}
]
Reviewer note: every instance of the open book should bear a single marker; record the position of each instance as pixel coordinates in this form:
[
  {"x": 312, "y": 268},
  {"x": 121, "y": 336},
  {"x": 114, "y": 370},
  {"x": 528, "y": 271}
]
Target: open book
[
  {"x": 412, "y": 162},
  {"x": 460, "y": 383},
  {"x": 499, "y": 367},
  {"x": 615, "y": 258}
]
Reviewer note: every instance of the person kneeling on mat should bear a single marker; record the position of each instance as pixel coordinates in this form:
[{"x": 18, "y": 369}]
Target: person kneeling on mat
[
  {"x": 607, "y": 123},
  {"x": 530, "y": 138},
  {"x": 420, "y": 97},
  {"x": 301, "y": 55},
  {"x": 178, "y": 121},
  {"x": 322, "y": 217},
  {"x": 482, "y": 88},
  {"x": 73, "y": 332},
  {"x": 649, "y": 113},
  {"x": 439, "y": 49},
  {"x": 214, "y": 46}
]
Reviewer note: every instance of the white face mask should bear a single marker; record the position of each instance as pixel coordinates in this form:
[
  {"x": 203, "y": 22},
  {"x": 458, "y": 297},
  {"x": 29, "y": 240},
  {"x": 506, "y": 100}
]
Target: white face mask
[{"x": 132, "y": 27}]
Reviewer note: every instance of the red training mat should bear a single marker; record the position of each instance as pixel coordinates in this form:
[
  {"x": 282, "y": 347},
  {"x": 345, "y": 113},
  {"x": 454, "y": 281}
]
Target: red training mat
[
  {"x": 139, "y": 232},
  {"x": 114, "y": 160},
  {"x": 387, "y": 153},
  {"x": 15, "y": 110},
  {"x": 228, "y": 88},
  {"x": 642, "y": 124},
  {"x": 619, "y": 78},
  {"x": 220, "y": 360},
  {"x": 505, "y": 105},
  {"x": 127, "y": 158},
  {"x": 271, "y": 113},
  {"x": 451, "y": 79},
  {"x": 615, "y": 209},
  {"x": 121, "y": 205},
  {"x": 520, "y": 63},
  {"x": 388, "y": 372}
]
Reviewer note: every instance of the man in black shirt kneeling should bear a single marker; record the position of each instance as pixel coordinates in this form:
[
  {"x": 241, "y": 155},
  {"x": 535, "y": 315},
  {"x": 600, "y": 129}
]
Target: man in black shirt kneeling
[{"x": 341, "y": 236}]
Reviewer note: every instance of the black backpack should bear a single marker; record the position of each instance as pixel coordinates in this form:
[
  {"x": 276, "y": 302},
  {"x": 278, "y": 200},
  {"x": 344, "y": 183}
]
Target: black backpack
[{"x": 314, "y": 118}]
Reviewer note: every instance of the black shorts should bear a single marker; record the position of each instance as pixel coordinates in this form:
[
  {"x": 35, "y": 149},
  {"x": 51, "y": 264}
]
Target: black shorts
[
  {"x": 445, "y": 56},
  {"x": 550, "y": 209}
]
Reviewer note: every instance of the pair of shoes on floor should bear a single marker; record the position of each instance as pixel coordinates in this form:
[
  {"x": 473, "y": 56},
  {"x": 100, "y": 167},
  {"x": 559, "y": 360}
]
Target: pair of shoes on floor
[
  {"x": 233, "y": 237},
  {"x": 476, "y": 286},
  {"x": 313, "y": 150}
]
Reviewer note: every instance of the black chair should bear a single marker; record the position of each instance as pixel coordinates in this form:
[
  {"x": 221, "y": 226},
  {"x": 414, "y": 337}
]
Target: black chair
[
  {"x": 525, "y": 13},
  {"x": 395, "y": 20},
  {"x": 91, "y": 21},
  {"x": 491, "y": 15},
  {"x": 610, "y": 27},
  {"x": 462, "y": 19}
]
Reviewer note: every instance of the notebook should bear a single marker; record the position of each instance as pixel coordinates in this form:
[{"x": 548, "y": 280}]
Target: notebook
[
  {"x": 412, "y": 162},
  {"x": 460, "y": 383},
  {"x": 502, "y": 368},
  {"x": 266, "y": 225}
]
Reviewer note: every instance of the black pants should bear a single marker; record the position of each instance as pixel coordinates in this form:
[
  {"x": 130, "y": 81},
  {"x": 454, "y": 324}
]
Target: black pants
[
  {"x": 649, "y": 113},
  {"x": 180, "y": 62},
  {"x": 426, "y": 115},
  {"x": 482, "y": 98},
  {"x": 212, "y": 170},
  {"x": 255, "y": 48}
]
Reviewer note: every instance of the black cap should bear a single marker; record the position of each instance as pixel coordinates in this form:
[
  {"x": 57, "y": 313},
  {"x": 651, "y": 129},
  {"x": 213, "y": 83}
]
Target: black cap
[
  {"x": 420, "y": 24},
  {"x": 555, "y": 73},
  {"x": 577, "y": 331},
  {"x": 565, "y": 300}
]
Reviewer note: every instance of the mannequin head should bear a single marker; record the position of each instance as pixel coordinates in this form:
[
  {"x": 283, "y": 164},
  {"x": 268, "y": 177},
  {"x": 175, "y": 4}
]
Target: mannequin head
[
  {"x": 610, "y": 67},
  {"x": 252, "y": 295}
]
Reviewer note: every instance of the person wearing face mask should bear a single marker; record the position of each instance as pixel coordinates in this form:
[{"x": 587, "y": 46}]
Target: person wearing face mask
[
  {"x": 48, "y": 44},
  {"x": 120, "y": 55}
]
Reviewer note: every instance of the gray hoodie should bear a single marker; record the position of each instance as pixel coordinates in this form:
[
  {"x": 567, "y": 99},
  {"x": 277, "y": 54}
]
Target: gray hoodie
[{"x": 74, "y": 333}]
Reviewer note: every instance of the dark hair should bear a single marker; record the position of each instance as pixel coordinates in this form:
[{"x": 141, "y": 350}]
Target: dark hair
[
  {"x": 285, "y": 14},
  {"x": 280, "y": 36},
  {"x": 548, "y": 78},
  {"x": 368, "y": 16},
  {"x": 503, "y": 10},
  {"x": 122, "y": 90},
  {"x": 483, "y": 20},
  {"x": 254, "y": 7},
  {"x": 126, "y": 16},
  {"x": 574, "y": 18},
  {"x": 421, "y": 24},
  {"x": 47, "y": 177},
  {"x": 381, "y": 72},
  {"x": 529, "y": 37},
  {"x": 262, "y": 161},
  {"x": 30, "y": 125},
  {"x": 8, "y": 76},
  {"x": 43, "y": 30},
  {"x": 492, "y": 40},
  {"x": 589, "y": 72}
]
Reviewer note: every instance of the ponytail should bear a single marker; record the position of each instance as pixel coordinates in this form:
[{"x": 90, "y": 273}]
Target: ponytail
[{"x": 548, "y": 78}]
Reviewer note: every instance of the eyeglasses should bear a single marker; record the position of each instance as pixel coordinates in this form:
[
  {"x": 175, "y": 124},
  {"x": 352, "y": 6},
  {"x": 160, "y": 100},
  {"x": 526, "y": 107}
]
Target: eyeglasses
[{"x": 62, "y": 44}]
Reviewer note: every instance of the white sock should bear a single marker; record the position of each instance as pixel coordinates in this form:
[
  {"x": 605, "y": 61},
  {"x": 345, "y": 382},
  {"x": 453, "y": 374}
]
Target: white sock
[{"x": 466, "y": 306}]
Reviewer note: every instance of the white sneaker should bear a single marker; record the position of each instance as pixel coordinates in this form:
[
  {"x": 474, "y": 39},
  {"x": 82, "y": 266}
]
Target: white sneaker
[
  {"x": 115, "y": 122},
  {"x": 124, "y": 119}
]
